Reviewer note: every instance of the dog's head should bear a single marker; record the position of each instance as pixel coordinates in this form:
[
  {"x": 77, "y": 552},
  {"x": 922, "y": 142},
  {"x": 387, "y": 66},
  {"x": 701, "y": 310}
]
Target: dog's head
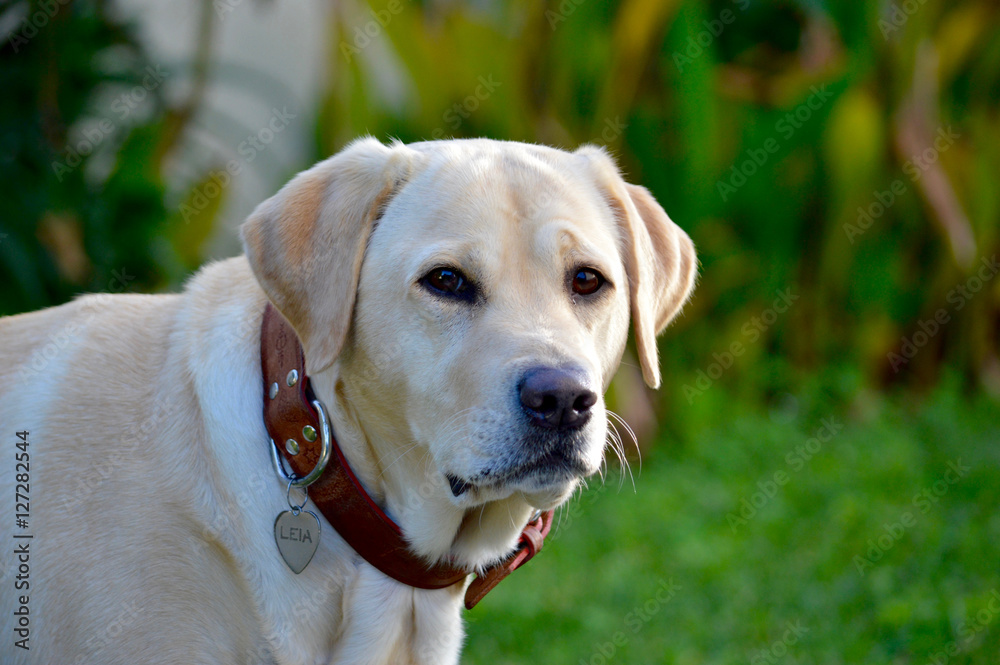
[{"x": 475, "y": 297}]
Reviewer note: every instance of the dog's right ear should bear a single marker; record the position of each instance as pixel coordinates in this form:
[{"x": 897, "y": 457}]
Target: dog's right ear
[{"x": 305, "y": 244}]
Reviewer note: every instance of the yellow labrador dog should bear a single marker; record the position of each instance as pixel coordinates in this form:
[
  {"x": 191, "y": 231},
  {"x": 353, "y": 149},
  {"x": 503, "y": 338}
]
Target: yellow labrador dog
[{"x": 462, "y": 306}]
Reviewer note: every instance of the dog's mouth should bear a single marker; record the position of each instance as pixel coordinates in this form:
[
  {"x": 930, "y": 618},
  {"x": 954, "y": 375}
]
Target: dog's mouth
[
  {"x": 553, "y": 468},
  {"x": 458, "y": 486}
]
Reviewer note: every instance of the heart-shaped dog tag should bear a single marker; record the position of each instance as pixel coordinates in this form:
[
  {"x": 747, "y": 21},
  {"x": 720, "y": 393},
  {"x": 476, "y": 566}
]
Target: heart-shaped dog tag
[{"x": 297, "y": 537}]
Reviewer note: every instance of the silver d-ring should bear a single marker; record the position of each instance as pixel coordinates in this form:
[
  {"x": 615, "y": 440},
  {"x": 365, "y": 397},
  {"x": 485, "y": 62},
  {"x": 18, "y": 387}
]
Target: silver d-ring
[{"x": 324, "y": 453}]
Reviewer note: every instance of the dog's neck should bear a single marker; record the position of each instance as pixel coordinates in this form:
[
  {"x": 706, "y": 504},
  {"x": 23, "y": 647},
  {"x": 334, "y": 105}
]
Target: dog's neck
[{"x": 399, "y": 474}]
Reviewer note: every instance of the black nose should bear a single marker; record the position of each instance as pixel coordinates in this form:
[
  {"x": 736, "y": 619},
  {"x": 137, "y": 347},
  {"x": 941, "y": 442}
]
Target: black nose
[{"x": 556, "y": 398}]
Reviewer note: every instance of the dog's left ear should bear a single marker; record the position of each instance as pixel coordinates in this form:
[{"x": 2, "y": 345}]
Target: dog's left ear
[
  {"x": 305, "y": 244},
  {"x": 659, "y": 258}
]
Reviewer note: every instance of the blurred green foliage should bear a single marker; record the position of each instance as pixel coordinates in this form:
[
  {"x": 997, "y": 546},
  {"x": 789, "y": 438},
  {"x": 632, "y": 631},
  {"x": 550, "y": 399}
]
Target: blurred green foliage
[
  {"x": 65, "y": 228},
  {"x": 84, "y": 134}
]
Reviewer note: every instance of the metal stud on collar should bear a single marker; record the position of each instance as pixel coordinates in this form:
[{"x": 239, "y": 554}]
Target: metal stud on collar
[{"x": 324, "y": 453}]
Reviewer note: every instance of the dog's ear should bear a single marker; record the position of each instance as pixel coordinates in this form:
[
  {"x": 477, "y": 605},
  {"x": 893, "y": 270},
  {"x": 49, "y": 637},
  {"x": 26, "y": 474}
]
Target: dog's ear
[
  {"x": 305, "y": 244},
  {"x": 659, "y": 258}
]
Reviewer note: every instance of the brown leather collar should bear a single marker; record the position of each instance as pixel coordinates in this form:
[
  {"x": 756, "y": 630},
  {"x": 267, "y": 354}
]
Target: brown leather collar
[{"x": 339, "y": 495}]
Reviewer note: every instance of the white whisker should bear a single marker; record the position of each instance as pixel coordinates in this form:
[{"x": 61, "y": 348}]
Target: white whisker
[{"x": 618, "y": 446}]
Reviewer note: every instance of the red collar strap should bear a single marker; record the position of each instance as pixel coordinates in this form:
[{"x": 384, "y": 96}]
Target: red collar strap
[{"x": 289, "y": 415}]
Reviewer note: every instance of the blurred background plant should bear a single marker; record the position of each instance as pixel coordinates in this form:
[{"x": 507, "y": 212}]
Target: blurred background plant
[{"x": 835, "y": 164}]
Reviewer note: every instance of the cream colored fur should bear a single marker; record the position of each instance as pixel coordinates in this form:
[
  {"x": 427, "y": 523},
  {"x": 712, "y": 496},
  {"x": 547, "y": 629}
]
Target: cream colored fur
[{"x": 152, "y": 494}]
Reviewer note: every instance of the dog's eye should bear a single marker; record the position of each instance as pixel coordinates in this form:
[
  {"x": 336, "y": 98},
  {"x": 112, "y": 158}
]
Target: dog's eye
[
  {"x": 587, "y": 281},
  {"x": 449, "y": 282}
]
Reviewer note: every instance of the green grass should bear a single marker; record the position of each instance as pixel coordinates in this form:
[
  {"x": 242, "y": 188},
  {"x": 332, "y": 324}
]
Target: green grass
[{"x": 740, "y": 586}]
